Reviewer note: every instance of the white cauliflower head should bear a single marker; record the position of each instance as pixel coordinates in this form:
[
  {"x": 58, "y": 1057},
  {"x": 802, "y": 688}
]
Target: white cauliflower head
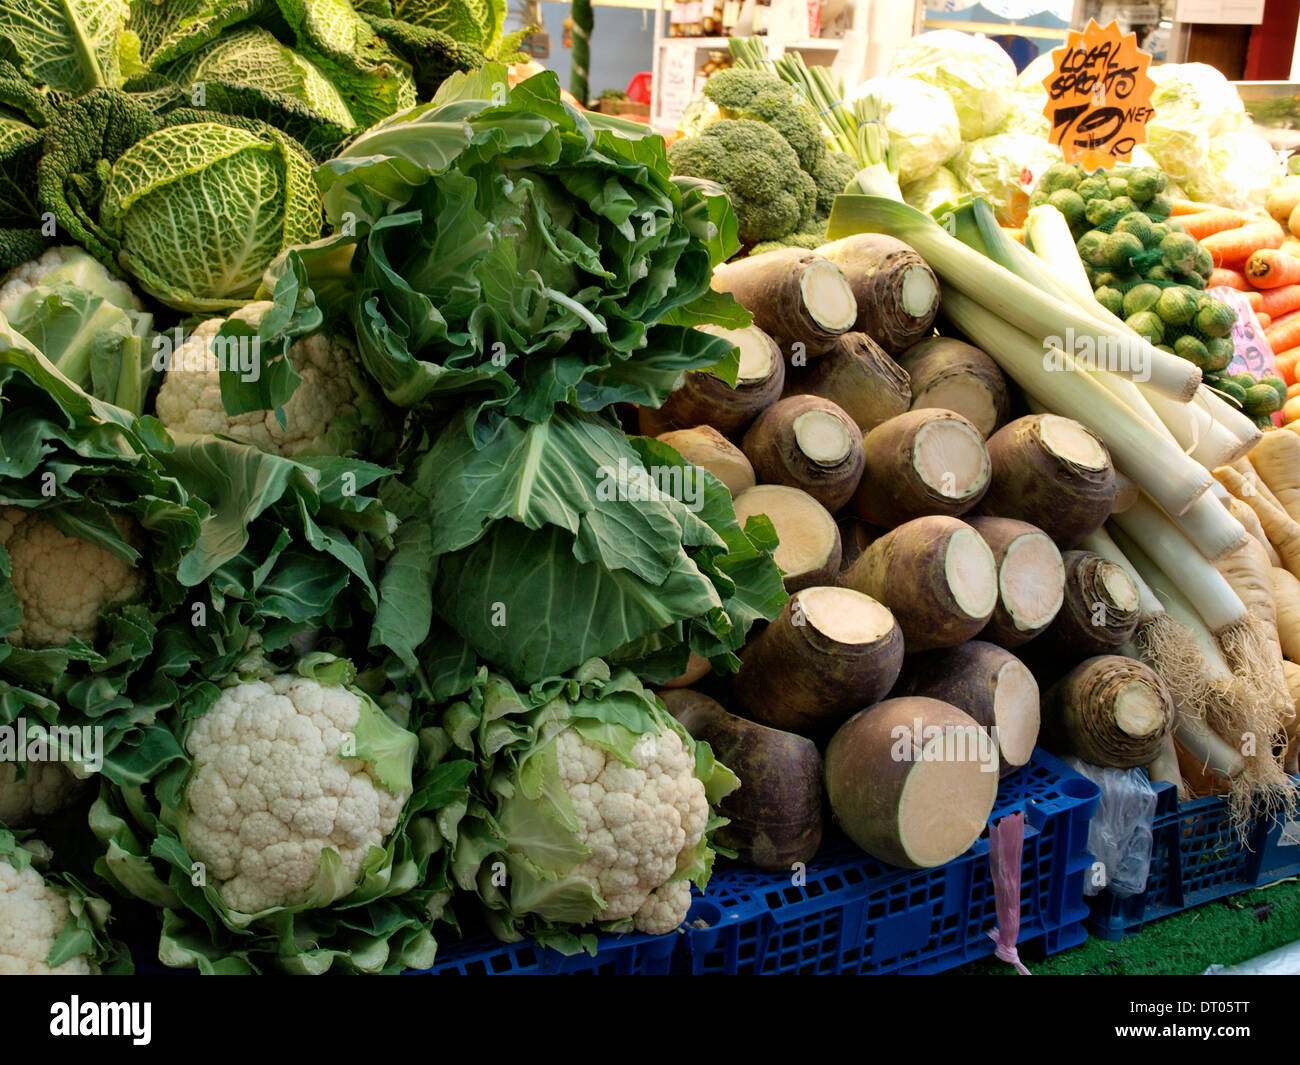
[
  {"x": 32, "y": 915},
  {"x": 65, "y": 264},
  {"x": 46, "y": 788},
  {"x": 63, "y": 584},
  {"x": 331, "y": 395},
  {"x": 269, "y": 792},
  {"x": 641, "y": 823}
]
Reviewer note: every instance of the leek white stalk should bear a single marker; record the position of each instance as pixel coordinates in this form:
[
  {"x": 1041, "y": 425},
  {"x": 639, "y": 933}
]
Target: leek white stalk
[
  {"x": 1228, "y": 416},
  {"x": 1202, "y": 436},
  {"x": 1071, "y": 391},
  {"x": 1008, "y": 297},
  {"x": 1048, "y": 236},
  {"x": 1209, "y": 525}
]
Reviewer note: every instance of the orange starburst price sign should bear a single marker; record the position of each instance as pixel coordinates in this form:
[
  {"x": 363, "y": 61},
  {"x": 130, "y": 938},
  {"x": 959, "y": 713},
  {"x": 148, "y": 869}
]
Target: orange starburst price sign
[{"x": 1099, "y": 96}]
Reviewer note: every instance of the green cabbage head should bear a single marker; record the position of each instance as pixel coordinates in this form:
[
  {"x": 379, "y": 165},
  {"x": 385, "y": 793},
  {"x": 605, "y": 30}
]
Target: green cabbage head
[{"x": 200, "y": 210}]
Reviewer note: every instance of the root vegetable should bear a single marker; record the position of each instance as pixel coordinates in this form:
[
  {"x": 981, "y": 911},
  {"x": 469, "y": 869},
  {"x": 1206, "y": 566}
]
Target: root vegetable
[
  {"x": 920, "y": 463},
  {"x": 855, "y": 537},
  {"x": 952, "y": 375},
  {"x": 1031, "y": 580},
  {"x": 1286, "y": 601},
  {"x": 860, "y": 378},
  {"x": 829, "y": 652},
  {"x": 809, "y": 443},
  {"x": 896, "y": 291},
  {"x": 1276, "y": 459},
  {"x": 1126, "y": 493},
  {"x": 1199, "y": 779},
  {"x": 1164, "y": 768},
  {"x": 986, "y": 682},
  {"x": 1282, "y": 532},
  {"x": 912, "y": 781},
  {"x": 1250, "y": 522},
  {"x": 706, "y": 399},
  {"x": 697, "y": 667},
  {"x": 776, "y": 813},
  {"x": 1109, "y": 711},
  {"x": 1052, "y": 472},
  {"x": 808, "y": 548},
  {"x": 936, "y": 574},
  {"x": 706, "y": 447},
  {"x": 1099, "y": 613},
  {"x": 797, "y": 297}
]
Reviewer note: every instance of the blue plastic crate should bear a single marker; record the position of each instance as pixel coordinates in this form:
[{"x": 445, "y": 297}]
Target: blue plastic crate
[
  {"x": 1196, "y": 858},
  {"x": 852, "y": 914},
  {"x": 633, "y": 954}
]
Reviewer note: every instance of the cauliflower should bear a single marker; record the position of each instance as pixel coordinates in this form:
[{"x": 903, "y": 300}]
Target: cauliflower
[
  {"x": 46, "y": 788},
  {"x": 269, "y": 793},
  {"x": 321, "y": 416},
  {"x": 68, "y": 264},
  {"x": 32, "y": 915},
  {"x": 63, "y": 584},
  {"x": 638, "y": 821}
]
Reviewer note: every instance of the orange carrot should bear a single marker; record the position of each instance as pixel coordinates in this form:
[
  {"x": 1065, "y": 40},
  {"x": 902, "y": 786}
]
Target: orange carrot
[
  {"x": 1277, "y": 301},
  {"x": 1284, "y": 333},
  {"x": 1292, "y": 389},
  {"x": 1206, "y": 223},
  {"x": 1256, "y": 301},
  {"x": 1269, "y": 268},
  {"x": 1178, "y": 208},
  {"x": 1229, "y": 279},
  {"x": 1234, "y": 246},
  {"x": 1265, "y": 320}
]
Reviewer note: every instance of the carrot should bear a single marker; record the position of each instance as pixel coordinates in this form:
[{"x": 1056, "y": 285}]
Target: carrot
[
  {"x": 1264, "y": 320},
  {"x": 1292, "y": 390},
  {"x": 1277, "y": 301},
  {"x": 1284, "y": 333},
  {"x": 1234, "y": 246},
  {"x": 1256, "y": 301},
  {"x": 1206, "y": 223},
  {"x": 1291, "y": 410},
  {"x": 1286, "y": 367},
  {"x": 1270, "y": 268},
  {"x": 1225, "y": 278},
  {"x": 1179, "y": 208}
]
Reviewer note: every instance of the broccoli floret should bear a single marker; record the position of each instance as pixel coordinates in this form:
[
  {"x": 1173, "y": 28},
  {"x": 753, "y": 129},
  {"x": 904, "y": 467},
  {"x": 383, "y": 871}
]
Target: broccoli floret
[
  {"x": 836, "y": 171},
  {"x": 766, "y": 98},
  {"x": 760, "y": 172},
  {"x": 813, "y": 239}
]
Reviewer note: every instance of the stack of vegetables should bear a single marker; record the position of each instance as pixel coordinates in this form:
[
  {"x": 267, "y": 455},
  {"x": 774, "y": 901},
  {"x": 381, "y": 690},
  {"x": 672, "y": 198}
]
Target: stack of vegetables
[
  {"x": 357, "y": 580},
  {"x": 1146, "y": 268}
]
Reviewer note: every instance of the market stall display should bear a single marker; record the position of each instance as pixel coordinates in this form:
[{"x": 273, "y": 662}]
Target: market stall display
[{"x": 355, "y": 629}]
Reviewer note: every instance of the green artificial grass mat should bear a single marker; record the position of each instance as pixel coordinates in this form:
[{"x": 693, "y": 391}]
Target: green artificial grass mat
[{"x": 1224, "y": 932}]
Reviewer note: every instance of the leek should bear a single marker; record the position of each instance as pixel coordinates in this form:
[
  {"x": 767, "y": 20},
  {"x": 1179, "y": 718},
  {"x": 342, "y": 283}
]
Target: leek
[
  {"x": 1008, "y": 296},
  {"x": 1068, "y": 389},
  {"x": 1047, "y": 235}
]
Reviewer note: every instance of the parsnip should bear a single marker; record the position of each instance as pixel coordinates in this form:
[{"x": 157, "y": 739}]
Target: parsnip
[{"x": 1276, "y": 459}]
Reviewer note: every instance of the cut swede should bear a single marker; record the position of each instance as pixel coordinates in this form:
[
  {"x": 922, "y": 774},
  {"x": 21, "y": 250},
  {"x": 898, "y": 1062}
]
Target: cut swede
[
  {"x": 919, "y": 463},
  {"x": 912, "y": 781},
  {"x": 897, "y": 293},
  {"x": 776, "y": 814},
  {"x": 987, "y": 682},
  {"x": 797, "y": 297},
  {"x": 704, "y": 446},
  {"x": 936, "y": 574},
  {"x": 809, "y": 443},
  {"x": 952, "y": 375},
  {"x": 703, "y": 398},
  {"x": 829, "y": 652},
  {"x": 1100, "y": 612},
  {"x": 859, "y": 377},
  {"x": 808, "y": 547},
  {"x": 1051, "y": 472},
  {"x": 1109, "y": 711},
  {"x": 1031, "y": 579}
]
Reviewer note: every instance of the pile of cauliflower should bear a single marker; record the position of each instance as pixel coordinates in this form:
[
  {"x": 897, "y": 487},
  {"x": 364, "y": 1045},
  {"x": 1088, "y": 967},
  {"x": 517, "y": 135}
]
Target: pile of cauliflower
[{"x": 32, "y": 916}]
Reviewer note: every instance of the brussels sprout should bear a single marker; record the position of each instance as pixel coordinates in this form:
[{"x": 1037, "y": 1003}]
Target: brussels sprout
[
  {"x": 1194, "y": 351},
  {"x": 1221, "y": 350},
  {"x": 1070, "y": 204},
  {"x": 200, "y": 211},
  {"x": 1099, "y": 213},
  {"x": 1120, "y": 249},
  {"x": 1093, "y": 188},
  {"x": 1215, "y": 319},
  {"x": 1142, "y": 297},
  {"x": 1147, "y": 324},
  {"x": 1139, "y": 225},
  {"x": 1177, "y": 306},
  {"x": 1058, "y": 176},
  {"x": 1178, "y": 250},
  {"x": 1143, "y": 183},
  {"x": 1091, "y": 246},
  {"x": 1122, "y": 205}
]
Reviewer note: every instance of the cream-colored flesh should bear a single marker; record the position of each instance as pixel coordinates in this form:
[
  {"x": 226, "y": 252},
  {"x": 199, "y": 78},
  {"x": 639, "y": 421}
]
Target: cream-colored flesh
[
  {"x": 804, "y": 528},
  {"x": 1032, "y": 581},
  {"x": 947, "y": 797},
  {"x": 950, "y": 458},
  {"x": 971, "y": 572},
  {"x": 1016, "y": 712},
  {"x": 845, "y": 616},
  {"x": 1071, "y": 441}
]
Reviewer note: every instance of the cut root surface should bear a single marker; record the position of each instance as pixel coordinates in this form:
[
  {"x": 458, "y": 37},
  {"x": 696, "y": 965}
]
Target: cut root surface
[
  {"x": 1015, "y": 712},
  {"x": 822, "y": 437},
  {"x": 1069, "y": 440},
  {"x": 946, "y": 796},
  {"x": 949, "y": 456},
  {"x": 806, "y": 532},
  {"x": 971, "y": 572},
  {"x": 845, "y": 616},
  {"x": 1139, "y": 711},
  {"x": 828, "y": 296},
  {"x": 1032, "y": 581}
]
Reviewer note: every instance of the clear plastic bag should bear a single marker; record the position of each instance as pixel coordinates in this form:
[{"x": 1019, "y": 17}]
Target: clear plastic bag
[{"x": 1120, "y": 834}]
